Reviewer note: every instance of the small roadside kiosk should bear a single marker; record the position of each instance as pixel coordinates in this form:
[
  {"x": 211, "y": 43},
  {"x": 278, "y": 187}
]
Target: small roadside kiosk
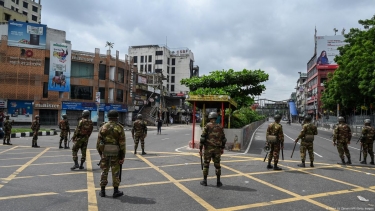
[{"x": 209, "y": 101}]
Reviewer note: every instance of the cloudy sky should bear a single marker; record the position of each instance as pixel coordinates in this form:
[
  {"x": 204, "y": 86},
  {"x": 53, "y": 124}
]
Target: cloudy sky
[{"x": 276, "y": 36}]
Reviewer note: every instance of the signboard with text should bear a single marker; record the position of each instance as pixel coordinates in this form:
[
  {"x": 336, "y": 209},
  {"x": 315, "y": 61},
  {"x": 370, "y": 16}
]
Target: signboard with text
[
  {"x": 327, "y": 50},
  {"x": 60, "y": 66},
  {"x": 29, "y": 35},
  {"x": 92, "y": 106},
  {"x": 20, "y": 110}
]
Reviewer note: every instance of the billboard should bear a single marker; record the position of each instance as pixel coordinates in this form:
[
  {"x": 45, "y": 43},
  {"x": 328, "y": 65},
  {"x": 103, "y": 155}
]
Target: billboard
[
  {"x": 20, "y": 110},
  {"x": 28, "y": 35},
  {"x": 60, "y": 66},
  {"x": 327, "y": 50}
]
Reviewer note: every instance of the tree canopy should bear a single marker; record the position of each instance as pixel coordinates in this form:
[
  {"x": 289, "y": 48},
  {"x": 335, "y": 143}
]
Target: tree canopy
[
  {"x": 352, "y": 85},
  {"x": 239, "y": 85}
]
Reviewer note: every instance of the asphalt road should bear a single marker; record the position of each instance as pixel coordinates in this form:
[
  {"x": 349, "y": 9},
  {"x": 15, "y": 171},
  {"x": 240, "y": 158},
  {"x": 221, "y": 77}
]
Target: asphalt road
[{"x": 167, "y": 178}]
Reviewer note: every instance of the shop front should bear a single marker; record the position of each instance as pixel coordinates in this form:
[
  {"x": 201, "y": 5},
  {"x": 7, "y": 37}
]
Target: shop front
[{"x": 48, "y": 112}]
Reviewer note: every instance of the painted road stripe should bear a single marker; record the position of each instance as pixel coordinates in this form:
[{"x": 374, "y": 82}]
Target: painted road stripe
[
  {"x": 27, "y": 196},
  {"x": 299, "y": 144},
  {"x": 8, "y": 149},
  {"x": 91, "y": 195}
]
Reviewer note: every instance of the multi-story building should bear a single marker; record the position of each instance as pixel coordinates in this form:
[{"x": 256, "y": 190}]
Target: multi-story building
[
  {"x": 94, "y": 81},
  {"x": 301, "y": 95},
  {"x": 21, "y": 10}
]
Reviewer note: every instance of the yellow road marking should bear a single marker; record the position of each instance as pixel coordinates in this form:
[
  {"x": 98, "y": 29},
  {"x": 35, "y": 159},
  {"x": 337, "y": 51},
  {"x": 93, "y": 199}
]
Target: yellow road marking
[
  {"x": 8, "y": 149},
  {"x": 91, "y": 195},
  {"x": 27, "y": 195},
  {"x": 179, "y": 185},
  {"x": 20, "y": 169}
]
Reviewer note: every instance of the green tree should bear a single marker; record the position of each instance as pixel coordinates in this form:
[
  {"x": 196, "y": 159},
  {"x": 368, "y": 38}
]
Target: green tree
[
  {"x": 109, "y": 45},
  {"x": 241, "y": 86},
  {"x": 353, "y": 83}
]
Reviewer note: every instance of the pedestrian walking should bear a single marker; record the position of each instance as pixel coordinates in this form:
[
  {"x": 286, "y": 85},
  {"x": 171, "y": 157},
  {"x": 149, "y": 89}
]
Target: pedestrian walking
[
  {"x": 81, "y": 138},
  {"x": 275, "y": 140},
  {"x": 307, "y": 141},
  {"x": 111, "y": 145},
  {"x": 213, "y": 142},
  {"x": 341, "y": 138}
]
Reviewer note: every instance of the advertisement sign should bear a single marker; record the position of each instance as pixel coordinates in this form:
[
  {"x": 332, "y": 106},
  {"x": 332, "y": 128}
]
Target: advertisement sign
[
  {"x": 60, "y": 66},
  {"x": 3, "y": 103},
  {"x": 92, "y": 106},
  {"x": 327, "y": 50},
  {"x": 20, "y": 110},
  {"x": 142, "y": 80},
  {"x": 28, "y": 35}
]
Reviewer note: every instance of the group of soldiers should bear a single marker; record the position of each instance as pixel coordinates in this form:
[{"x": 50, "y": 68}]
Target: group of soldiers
[
  {"x": 341, "y": 139},
  {"x": 8, "y": 124}
]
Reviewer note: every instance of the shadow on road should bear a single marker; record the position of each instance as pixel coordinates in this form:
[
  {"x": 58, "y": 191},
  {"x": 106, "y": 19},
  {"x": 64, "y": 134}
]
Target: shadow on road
[
  {"x": 235, "y": 188},
  {"x": 136, "y": 200}
]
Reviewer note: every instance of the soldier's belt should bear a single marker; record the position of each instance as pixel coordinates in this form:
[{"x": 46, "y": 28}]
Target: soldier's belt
[
  {"x": 309, "y": 138},
  {"x": 111, "y": 150},
  {"x": 271, "y": 139}
]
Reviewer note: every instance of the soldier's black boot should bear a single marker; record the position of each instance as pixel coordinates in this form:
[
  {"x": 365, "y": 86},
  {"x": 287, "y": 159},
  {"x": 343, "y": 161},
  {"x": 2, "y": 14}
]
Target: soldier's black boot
[
  {"x": 372, "y": 161},
  {"x": 8, "y": 143},
  {"x": 311, "y": 163},
  {"x": 81, "y": 166},
  {"x": 302, "y": 164},
  {"x": 204, "y": 182},
  {"x": 143, "y": 151},
  {"x": 342, "y": 162},
  {"x": 4, "y": 142},
  {"x": 117, "y": 193},
  {"x": 75, "y": 165},
  {"x": 276, "y": 168},
  {"x": 269, "y": 166},
  {"x": 364, "y": 160},
  {"x": 218, "y": 182},
  {"x": 349, "y": 161},
  {"x": 102, "y": 192},
  {"x": 66, "y": 146},
  {"x": 36, "y": 145},
  {"x": 60, "y": 147}
]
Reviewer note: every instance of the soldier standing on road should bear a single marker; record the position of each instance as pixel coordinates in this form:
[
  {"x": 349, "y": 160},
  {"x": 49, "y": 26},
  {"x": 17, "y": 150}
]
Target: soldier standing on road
[
  {"x": 65, "y": 129},
  {"x": 307, "y": 141},
  {"x": 7, "y": 130},
  {"x": 341, "y": 137},
  {"x": 367, "y": 141},
  {"x": 81, "y": 138},
  {"x": 111, "y": 145},
  {"x": 275, "y": 138},
  {"x": 159, "y": 124},
  {"x": 35, "y": 126},
  {"x": 139, "y": 133},
  {"x": 213, "y": 140}
]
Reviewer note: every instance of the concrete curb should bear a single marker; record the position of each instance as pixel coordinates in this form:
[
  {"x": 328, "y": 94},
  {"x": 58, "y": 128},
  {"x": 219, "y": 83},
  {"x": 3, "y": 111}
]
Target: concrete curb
[{"x": 29, "y": 134}]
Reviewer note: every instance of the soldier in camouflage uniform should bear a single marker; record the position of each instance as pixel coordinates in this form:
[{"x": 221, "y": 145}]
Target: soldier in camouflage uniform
[
  {"x": 213, "y": 140},
  {"x": 139, "y": 132},
  {"x": 111, "y": 146},
  {"x": 275, "y": 130},
  {"x": 367, "y": 141},
  {"x": 307, "y": 141},
  {"x": 35, "y": 126},
  {"x": 7, "y": 130},
  {"x": 341, "y": 137},
  {"x": 65, "y": 129},
  {"x": 81, "y": 138}
]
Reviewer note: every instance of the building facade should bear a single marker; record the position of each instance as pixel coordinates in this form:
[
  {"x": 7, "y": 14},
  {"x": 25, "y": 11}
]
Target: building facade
[{"x": 21, "y": 10}]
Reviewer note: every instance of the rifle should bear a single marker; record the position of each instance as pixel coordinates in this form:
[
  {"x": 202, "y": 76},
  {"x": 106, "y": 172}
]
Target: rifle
[
  {"x": 69, "y": 138},
  {"x": 120, "y": 172},
  {"x": 201, "y": 163},
  {"x": 360, "y": 153},
  {"x": 265, "y": 157},
  {"x": 282, "y": 154},
  {"x": 295, "y": 143},
  {"x": 360, "y": 138}
]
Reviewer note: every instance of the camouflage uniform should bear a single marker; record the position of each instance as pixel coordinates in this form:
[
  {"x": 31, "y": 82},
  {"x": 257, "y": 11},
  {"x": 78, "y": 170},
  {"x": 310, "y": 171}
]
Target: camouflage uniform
[
  {"x": 65, "y": 129},
  {"x": 7, "y": 131},
  {"x": 307, "y": 129},
  {"x": 81, "y": 138},
  {"x": 341, "y": 137},
  {"x": 35, "y": 126},
  {"x": 213, "y": 140},
  {"x": 139, "y": 132},
  {"x": 367, "y": 142},
  {"x": 275, "y": 129}
]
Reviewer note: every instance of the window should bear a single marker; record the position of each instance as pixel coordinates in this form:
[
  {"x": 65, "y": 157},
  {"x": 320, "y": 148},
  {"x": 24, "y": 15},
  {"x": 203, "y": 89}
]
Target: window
[
  {"x": 172, "y": 88},
  {"x": 81, "y": 70},
  {"x": 167, "y": 69},
  {"x": 158, "y": 70},
  {"x": 13, "y": 0},
  {"x": 172, "y": 79},
  {"x": 25, "y": 5},
  {"x": 120, "y": 75},
  {"x": 6, "y": 17},
  {"x": 46, "y": 66},
  {"x": 142, "y": 57},
  {"x": 173, "y": 61},
  {"x": 102, "y": 93},
  {"x": 135, "y": 59},
  {"x": 168, "y": 60},
  {"x": 168, "y": 78},
  {"x": 17, "y": 1},
  {"x": 159, "y": 61},
  {"x": 35, "y": 9},
  {"x": 167, "y": 87},
  {"x": 45, "y": 89},
  {"x": 120, "y": 96},
  {"x": 34, "y": 18},
  {"x": 102, "y": 71},
  {"x": 149, "y": 68},
  {"x": 173, "y": 70},
  {"x": 12, "y": 8},
  {"x": 141, "y": 67},
  {"x": 25, "y": 13},
  {"x": 149, "y": 58},
  {"x": 159, "y": 53},
  {"x": 81, "y": 92}
]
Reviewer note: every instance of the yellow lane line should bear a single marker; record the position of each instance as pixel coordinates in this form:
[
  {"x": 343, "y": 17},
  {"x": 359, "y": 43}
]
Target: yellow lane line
[
  {"x": 23, "y": 167},
  {"x": 179, "y": 185},
  {"x": 355, "y": 170},
  {"x": 21, "y": 153},
  {"x": 8, "y": 149},
  {"x": 91, "y": 195},
  {"x": 27, "y": 196},
  {"x": 16, "y": 158},
  {"x": 299, "y": 197}
]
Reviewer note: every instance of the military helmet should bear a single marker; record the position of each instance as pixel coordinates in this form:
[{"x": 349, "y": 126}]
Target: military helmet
[
  {"x": 307, "y": 118},
  {"x": 212, "y": 115},
  {"x": 277, "y": 117},
  {"x": 36, "y": 116},
  {"x": 341, "y": 119},
  {"x": 112, "y": 114},
  {"x": 139, "y": 116},
  {"x": 64, "y": 116},
  {"x": 85, "y": 113},
  {"x": 367, "y": 121}
]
